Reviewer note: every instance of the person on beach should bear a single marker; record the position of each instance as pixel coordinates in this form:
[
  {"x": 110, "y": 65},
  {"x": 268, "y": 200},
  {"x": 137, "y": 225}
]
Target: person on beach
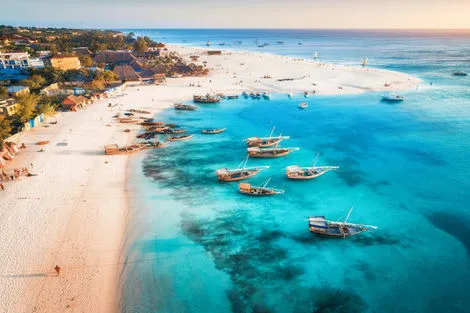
[
  {"x": 2, "y": 187},
  {"x": 57, "y": 269},
  {"x": 31, "y": 165}
]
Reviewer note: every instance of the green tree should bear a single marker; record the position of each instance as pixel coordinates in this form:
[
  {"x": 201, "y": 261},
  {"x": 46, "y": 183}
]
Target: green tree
[
  {"x": 5, "y": 127},
  {"x": 97, "y": 84},
  {"x": 27, "y": 106},
  {"x": 140, "y": 45},
  {"x": 35, "y": 82},
  {"x": 3, "y": 93},
  {"x": 86, "y": 61}
]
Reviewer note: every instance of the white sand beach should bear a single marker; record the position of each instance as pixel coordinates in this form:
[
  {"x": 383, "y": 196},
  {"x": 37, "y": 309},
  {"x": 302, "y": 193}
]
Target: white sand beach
[{"x": 74, "y": 213}]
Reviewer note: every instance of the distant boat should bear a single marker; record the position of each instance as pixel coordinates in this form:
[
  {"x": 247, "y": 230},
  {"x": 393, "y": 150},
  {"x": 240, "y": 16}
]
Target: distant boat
[
  {"x": 185, "y": 107},
  {"x": 211, "y": 131},
  {"x": 264, "y": 142},
  {"x": 257, "y": 152},
  {"x": 392, "y": 97},
  {"x": 364, "y": 62},
  {"x": 302, "y": 173},
  {"x": 280, "y": 42},
  {"x": 245, "y": 94},
  {"x": 459, "y": 73},
  {"x": 305, "y": 94},
  {"x": 206, "y": 99},
  {"x": 180, "y": 138},
  {"x": 290, "y": 95},
  {"x": 232, "y": 97},
  {"x": 239, "y": 173},
  {"x": 319, "y": 225},
  {"x": 315, "y": 55},
  {"x": 248, "y": 189},
  {"x": 266, "y": 95},
  {"x": 302, "y": 105},
  {"x": 208, "y": 43},
  {"x": 299, "y": 43}
]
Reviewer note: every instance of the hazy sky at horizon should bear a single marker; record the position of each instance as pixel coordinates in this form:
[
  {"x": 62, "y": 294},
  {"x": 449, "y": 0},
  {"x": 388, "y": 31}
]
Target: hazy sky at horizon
[{"x": 238, "y": 13}]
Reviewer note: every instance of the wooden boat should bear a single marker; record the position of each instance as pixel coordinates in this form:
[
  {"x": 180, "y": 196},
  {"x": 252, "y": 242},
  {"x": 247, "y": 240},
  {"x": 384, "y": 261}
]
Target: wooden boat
[
  {"x": 264, "y": 142},
  {"x": 319, "y": 225},
  {"x": 210, "y": 131},
  {"x": 297, "y": 172},
  {"x": 114, "y": 149},
  {"x": 206, "y": 99},
  {"x": 459, "y": 73},
  {"x": 305, "y": 94},
  {"x": 180, "y": 138},
  {"x": 152, "y": 124},
  {"x": 266, "y": 95},
  {"x": 42, "y": 143},
  {"x": 170, "y": 131},
  {"x": 248, "y": 189},
  {"x": 139, "y": 111},
  {"x": 392, "y": 97},
  {"x": 257, "y": 152},
  {"x": 364, "y": 62},
  {"x": 245, "y": 94},
  {"x": 315, "y": 55},
  {"x": 239, "y": 173},
  {"x": 290, "y": 95},
  {"x": 303, "y": 105},
  {"x": 232, "y": 97},
  {"x": 184, "y": 107}
]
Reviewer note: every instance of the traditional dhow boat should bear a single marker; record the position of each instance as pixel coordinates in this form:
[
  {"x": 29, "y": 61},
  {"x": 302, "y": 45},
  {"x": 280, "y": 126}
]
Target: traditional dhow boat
[
  {"x": 180, "y": 138},
  {"x": 264, "y": 142},
  {"x": 392, "y": 97},
  {"x": 319, "y": 225},
  {"x": 303, "y": 105},
  {"x": 211, "y": 131},
  {"x": 257, "y": 152},
  {"x": 266, "y": 95},
  {"x": 232, "y": 97},
  {"x": 459, "y": 73},
  {"x": 239, "y": 173},
  {"x": 206, "y": 99},
  {"x": 248, "y": 189},
  {"x": 152, "y": 124},
  {"x": 184, "y": 107},
  {"x": 297, "y": 172}
]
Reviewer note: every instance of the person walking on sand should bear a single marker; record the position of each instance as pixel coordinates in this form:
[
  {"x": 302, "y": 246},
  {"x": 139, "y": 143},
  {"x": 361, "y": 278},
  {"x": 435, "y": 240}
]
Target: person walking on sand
[
  {"x": 1, "y": 186},
  {"x": 57, "y": 269}
]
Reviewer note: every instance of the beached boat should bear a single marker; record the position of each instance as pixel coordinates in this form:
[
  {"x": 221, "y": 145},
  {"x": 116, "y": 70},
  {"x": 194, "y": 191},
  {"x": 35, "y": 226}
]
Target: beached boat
[
  {"x": 297, "y": 172},
  {"x": 245, "y": 94},
  {"x": 302, "y": 105},
  {"x": 213, "y": 130},
  {"x": 239, "y": 173},
  {"x": 232, "y": 97},
  {"x": 180, "y": 138},
  {"x": 305, "y": 94},
  {"x": 257, "y": 152},
  {"x": 139, "y": 111},
  {"x": 114, "y": 149},
  {"x": 392, "y": 97},
  {"x": 266, "y": 95},
  {"x": 459, "y": 73},
  {"x": 185, "y": 107},
  {"x": 321, "y": 226},
  {"x": 248, "y": 189},
  {"x": 264, "y": 142},
  {"x": 206, "y": 99},
  {"x": 290, "y": 95}
]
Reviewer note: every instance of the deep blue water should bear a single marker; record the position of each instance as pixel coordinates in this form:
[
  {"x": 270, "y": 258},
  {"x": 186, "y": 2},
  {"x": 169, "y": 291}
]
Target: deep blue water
[{"x": 196, "y": 245}]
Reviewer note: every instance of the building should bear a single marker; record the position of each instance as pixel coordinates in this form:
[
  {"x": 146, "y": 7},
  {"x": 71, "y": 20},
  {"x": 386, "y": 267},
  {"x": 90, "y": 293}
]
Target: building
[
  {"x": 36, "y": 63},
  {"x": 52, "y": 90},
  {"x": 16, "y": 60},
  {"x": 74, "y": 103},
  {"x": 120, "y": 57},
  {"x": 8, "y": 107},
  {"x": 65, "y": 63},
  {"x": 15, "y": 91},
  {"x": 126, "y": 73},
  {"x": 83, "y": 51}
]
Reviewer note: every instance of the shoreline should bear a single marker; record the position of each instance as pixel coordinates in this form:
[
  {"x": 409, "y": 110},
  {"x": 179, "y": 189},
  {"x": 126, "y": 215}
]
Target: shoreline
[{"x": 76, "y": 212}]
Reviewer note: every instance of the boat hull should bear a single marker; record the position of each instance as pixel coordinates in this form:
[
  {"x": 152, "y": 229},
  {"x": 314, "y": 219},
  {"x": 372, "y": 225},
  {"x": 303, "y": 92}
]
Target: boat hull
[
  {"x": 237, "y": 177},
  {"x": 268, "y": 154}
]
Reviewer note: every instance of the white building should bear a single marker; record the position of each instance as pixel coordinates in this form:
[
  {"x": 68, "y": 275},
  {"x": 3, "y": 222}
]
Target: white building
[
  {"x": 36, "y": 63},
  {"x": 14, "y": 60}
]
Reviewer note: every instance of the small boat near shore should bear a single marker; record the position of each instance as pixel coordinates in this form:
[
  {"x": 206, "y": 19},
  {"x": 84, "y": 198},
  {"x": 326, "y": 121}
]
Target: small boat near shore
[
  {"x": 248, "y": 189},
  {"x": 180, "y": 138},
  {"x": 303, "y": 173},
  {"x": 392, "y": 97},
  {"x": 459, "y": 73},
  {"x": 184, "y": 107},
  {"x": 321, "y": 226},
  {"x": 264, "y": 142},
  {"x": 114, "y": 149},
  {"x": 303, "y": 105},
  {"x": 239, "y": 173},
  {"x": 257, "y": 152},
  {"x": 211, "y": 131},
  {"x": 232, "y": 97},
  {"x": 266, "y": 95},
  {"x": 206, "y": 99}
]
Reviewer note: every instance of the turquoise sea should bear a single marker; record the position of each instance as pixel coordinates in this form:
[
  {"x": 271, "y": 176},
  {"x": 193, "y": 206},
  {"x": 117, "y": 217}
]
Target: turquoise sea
[{"x": 197, "y": 245}]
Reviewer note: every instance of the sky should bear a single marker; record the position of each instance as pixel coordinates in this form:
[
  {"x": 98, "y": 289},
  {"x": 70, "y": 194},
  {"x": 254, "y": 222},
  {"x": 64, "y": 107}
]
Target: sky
[{"x": 237, "y": 13}]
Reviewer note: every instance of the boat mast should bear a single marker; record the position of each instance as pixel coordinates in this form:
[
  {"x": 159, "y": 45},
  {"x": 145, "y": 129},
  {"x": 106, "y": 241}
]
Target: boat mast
[
  {"x": 267, "y": 182},
  {"x": 347, "y": 217},
  {"x": 315, "y": 162},
  {"x": 272, "y": 131}
]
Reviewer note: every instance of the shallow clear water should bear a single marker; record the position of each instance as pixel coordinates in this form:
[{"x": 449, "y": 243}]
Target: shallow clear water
[{"x": 197, "y": 245}]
